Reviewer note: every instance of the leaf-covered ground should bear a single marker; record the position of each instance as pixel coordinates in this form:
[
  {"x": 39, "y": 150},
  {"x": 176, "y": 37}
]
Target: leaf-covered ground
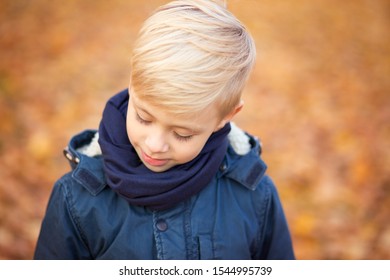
[{"x": 319, "y": 99}]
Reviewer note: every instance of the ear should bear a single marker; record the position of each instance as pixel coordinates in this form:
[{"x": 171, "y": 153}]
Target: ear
[{"x": 230, "y": 116}]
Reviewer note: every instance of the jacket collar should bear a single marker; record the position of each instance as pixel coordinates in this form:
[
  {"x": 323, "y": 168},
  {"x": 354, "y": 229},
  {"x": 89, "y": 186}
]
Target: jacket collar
[
  {"x": 245, "y": 169},
  {"x": 87, "y": 169}
]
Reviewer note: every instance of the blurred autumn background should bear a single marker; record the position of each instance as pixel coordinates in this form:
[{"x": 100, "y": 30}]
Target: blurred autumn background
[{"x": 318, "y": 98}]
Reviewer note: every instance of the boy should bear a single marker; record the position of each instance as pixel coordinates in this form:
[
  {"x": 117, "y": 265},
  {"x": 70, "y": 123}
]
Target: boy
[{"x": 168, "y": 176}]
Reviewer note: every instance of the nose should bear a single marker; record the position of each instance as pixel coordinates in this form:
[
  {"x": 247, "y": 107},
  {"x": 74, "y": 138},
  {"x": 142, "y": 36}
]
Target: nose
[{"x": 156, "y": 143}]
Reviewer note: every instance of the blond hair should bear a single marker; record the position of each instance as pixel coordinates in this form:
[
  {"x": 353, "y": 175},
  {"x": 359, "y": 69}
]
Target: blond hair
[{"x": 189, "y": 54}]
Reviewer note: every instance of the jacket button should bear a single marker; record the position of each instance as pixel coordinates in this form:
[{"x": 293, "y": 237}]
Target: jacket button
[
  {"x": 223, "y": 167},
  {"x": 162, "y": 225}
]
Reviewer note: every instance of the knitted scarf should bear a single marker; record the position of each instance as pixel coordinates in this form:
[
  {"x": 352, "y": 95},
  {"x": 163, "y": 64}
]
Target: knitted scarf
[{"x": 129, "y": 177}]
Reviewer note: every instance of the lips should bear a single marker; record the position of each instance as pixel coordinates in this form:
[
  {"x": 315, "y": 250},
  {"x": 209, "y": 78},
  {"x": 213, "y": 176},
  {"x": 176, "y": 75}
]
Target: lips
[{"x": 153, "y": 161}]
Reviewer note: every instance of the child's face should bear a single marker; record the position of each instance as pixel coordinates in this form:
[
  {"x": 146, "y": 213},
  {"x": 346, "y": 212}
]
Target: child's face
[{"x": 163, "y": 140}]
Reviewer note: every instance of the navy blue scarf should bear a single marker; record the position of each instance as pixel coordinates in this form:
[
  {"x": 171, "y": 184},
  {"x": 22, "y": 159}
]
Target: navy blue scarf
[{"x": 129, "y": 177}]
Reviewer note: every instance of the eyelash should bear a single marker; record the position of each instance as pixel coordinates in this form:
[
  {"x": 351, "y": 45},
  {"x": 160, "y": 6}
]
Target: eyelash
[
  {"x": 177, "y": 136},
  {"x": 182, "y": 138},
  {"x": 141, "y": 120}
]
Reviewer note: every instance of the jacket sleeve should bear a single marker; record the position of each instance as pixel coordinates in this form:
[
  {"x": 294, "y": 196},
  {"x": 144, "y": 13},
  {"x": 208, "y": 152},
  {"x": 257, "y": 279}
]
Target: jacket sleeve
[
  {"x": 276, "y": 241},
  {"x": 60, "y": 237}
]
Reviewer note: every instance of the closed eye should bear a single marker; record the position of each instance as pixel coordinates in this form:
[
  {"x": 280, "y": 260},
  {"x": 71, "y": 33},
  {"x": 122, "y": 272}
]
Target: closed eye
[
  {"x": 141, "y": 120},
  {"x": 181, "y": 137}
]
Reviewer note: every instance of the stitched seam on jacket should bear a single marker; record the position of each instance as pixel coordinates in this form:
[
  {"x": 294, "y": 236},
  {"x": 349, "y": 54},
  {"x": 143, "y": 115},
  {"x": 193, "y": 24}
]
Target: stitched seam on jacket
[
  {"x": 263, "y": 217},
  {"x": 74, "y": 215}
]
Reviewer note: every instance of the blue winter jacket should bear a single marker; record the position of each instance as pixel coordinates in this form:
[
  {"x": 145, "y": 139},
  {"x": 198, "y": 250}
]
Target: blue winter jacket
[{"x": 237, "y": 216}]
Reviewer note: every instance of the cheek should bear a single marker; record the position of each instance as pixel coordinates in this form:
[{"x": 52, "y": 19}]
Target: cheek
[
  {"x": 133, "y": 131},
  {"x": 187, "y": 152}
]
